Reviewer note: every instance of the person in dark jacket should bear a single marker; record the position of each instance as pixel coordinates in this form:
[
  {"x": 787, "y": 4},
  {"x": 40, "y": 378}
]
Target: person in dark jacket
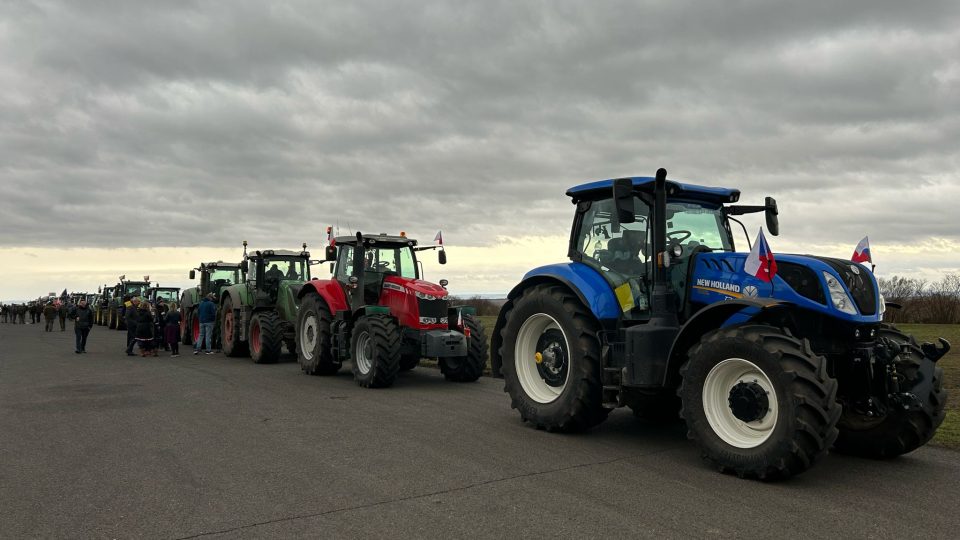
[
  {"x": 207, "y": 315},
  {"x": 145, "y": 331},
  {"x": 130, "y": 318},
  {"x": 49, "y": 315},
  {"x": 171, "y": 331},
  {"x": 82, "y": 323},
  {"x": 161, "y": 309},
  {"x": 62, "y": 313}
]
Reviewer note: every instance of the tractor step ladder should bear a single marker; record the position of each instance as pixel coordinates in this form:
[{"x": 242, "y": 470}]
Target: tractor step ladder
[{"x": 612, "y": 377}]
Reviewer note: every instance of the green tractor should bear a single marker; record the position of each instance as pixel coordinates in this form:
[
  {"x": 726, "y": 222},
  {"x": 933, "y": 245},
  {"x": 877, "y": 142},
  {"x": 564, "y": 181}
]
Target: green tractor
[
  {"x": 122, "y": 292},
  {"x": 214, "y": 278},
  {"x": 169, "y": 295},
  {"x": 101, "y": 305},
  {"x": 259, "y": 316}
]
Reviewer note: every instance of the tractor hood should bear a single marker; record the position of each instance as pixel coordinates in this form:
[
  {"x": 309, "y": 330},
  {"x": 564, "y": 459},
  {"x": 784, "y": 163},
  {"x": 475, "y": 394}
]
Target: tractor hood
[
  {"x": 415, "y": 286},
  {"x": 800, "y": 279}
]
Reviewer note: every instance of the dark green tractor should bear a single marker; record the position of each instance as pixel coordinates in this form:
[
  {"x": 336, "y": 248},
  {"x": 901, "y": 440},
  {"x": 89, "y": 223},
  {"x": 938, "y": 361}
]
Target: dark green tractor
[
  {"x": 122, "y": 293},
  {"x": 259, "y": 316},
  {"x": 214, "y": 278}
]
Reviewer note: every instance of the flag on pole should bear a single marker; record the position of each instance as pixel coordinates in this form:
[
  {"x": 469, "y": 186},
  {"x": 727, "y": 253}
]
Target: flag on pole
[
  {"x": 438, "y": 238},
  {"x": 760, "y": 263},
  {"x": 862, "y": 252}
]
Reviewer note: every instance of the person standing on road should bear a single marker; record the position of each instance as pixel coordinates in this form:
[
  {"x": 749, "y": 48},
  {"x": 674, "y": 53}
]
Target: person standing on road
[
  {"x": 130, "y": 318},
  {"x": 160, "y": 321},
  {"x": 207, "y": 315},
  {"x": 171, "y": 331},
  {"x": 62, "y": 313},
  {"x": 144, "y": 331},
  {"x": 82, "y": 323},
  {"x": 49, "y": 314}
]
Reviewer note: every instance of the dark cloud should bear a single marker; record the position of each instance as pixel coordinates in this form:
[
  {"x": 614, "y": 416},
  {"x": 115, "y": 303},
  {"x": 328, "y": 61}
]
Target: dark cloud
[{"x": 133, "y": 124}]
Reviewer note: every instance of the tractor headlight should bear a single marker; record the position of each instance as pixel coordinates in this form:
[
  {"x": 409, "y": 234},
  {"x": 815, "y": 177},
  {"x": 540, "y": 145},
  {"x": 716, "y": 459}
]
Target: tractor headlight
[
  {"x": 841, "y": 300},
  {"x": 424, "y": 296}
]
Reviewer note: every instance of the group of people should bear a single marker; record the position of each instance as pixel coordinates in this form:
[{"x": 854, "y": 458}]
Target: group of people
[{"x": 151, "y": 329}]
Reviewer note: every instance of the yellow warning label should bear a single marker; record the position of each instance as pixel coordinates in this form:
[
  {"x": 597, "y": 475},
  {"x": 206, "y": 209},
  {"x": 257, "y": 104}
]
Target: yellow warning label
[{"x": 625, "y": 297}]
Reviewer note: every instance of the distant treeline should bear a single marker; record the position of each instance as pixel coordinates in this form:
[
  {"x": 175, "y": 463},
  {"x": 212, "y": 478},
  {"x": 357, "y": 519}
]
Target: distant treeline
[
  {"x": 484, "y": 306},
  {"x": 923, "y": 301}
]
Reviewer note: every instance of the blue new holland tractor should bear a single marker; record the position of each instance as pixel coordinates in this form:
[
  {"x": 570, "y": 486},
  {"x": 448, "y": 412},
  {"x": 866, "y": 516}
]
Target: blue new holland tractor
[{"x": 654, "y": 311}]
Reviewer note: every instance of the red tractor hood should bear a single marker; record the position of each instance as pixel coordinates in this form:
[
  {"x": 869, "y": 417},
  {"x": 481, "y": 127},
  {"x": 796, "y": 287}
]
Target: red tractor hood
[{"x": 416, "y": 285}]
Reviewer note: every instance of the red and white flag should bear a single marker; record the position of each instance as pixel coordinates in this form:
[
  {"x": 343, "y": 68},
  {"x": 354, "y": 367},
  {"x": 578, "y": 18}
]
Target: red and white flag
[
  {"x": 438, "y": 238},
  {"x": 862, "y": 253},
  {"x": 760, "y": 263}
]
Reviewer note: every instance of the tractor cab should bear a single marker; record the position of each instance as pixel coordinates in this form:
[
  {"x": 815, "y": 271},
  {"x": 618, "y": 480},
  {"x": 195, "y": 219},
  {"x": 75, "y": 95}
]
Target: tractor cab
[
  {"x": 614, "y": 235},
  {"x": 382, "y": 270},
  {"x": 134, "y": 288},
  {"x": 169, "y": 295},
  {"x": 270, "y": 269},
  {"x": 215, "y": 276}
]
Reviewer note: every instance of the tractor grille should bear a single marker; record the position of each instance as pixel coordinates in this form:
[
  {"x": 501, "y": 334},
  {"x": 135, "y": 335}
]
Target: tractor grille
[
  {"x": 861, "y": 286},
  {"x": 432, "y": 309},
  {"x": 802, "y": 280}
]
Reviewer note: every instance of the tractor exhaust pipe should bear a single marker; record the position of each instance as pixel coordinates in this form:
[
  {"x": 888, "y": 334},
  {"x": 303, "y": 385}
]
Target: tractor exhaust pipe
[{"x": 660, "y": 226}]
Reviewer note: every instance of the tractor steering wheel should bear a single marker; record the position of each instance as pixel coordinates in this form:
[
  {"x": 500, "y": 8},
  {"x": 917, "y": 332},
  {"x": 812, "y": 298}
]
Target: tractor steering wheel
[{"x": 671, "y": 234}]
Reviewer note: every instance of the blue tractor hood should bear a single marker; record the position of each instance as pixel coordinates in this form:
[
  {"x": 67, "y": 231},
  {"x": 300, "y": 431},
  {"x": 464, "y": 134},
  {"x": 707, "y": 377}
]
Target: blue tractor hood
[{"x": 800, "y": 280}]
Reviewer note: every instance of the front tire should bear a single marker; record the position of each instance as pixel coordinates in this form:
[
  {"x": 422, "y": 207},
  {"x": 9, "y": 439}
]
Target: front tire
[
  {"x": 375, "y": 351},
  {"x": 758, "y": 402},
  {"x": 899, "y": 432},
  {"x": 314, "y": 348},
  {"x": 551, "y": 360},
  {"x": 468, "y": 368},
  {"x": 266, "y": 337}
]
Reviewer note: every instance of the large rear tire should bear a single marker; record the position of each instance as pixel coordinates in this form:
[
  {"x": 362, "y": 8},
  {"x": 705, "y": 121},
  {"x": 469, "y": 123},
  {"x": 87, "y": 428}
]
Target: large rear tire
[
  {"x": 232, "y": 346},
  {"x": 375, "y": 351},
  {"x": 899, "y": 432},
  {"x": 314, "y": 348},
  {"x": 468, "y": 368},
  {"x": 758, "y": 402},
  {"x": 551, "y": 360},
  {"x": 266, "y": 337},
  {"x": 112, "y": 315}
]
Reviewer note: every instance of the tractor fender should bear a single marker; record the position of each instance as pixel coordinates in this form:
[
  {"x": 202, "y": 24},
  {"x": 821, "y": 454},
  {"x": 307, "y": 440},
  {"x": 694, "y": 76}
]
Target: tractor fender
[
  {"x": 585, "y": 282},
  {"x": 711, "y": 317},
  {"x": 329, "y": 290}
]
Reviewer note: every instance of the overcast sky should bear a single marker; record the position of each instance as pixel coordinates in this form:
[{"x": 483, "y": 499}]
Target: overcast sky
[{"x": 176, "y": 125}]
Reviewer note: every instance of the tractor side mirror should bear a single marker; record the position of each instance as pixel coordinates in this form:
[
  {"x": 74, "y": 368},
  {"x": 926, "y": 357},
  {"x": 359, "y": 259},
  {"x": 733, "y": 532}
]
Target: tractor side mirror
[
  {"x": 193, "y": 274},
  {"x": 623, "y": 200},
  {"x": 442, "y": 256},
  {"x": 330, "y": 253},
  {"x": 773, "y": 222},
  {"x": 331, "y": 268}
]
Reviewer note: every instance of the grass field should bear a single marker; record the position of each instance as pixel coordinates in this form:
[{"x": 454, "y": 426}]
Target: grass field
[{"x": 949, "y": 433}]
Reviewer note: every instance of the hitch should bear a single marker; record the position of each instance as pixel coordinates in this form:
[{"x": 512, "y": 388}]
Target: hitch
[{"x": 933, "y": 352}]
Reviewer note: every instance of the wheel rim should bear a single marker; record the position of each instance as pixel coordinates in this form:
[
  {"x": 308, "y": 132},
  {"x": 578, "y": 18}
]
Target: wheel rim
[
  {"x": 543, "y": 384},
  {"x": 308, "y": 336},
  {"x": 732, "y": 394},
  {"x": 362, "y": 354},
  {"x": 255, "y": 336},
  {"x": 228, "y": 326}
]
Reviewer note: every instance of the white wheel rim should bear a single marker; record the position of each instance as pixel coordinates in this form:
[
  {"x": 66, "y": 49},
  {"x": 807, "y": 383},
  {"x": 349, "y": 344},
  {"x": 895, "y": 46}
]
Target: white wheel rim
[
  {"x": 360, "y": 354},
  {"x": 716, "y": 392},
  {"x": 525, "y": 352},
  {"x": 308, "y": 336}
]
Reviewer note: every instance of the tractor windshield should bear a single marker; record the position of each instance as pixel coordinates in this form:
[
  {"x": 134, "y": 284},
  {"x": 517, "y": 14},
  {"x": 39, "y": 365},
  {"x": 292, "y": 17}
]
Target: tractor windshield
[
  {"x": 134, "y": 289},
  {"x": 393, "y": 261},
  {"x": 691, "y": 224},
  {"x": 289, "y": 269},
  {"x": 227, "y": 276},
  {"x": 168, "y": 295}
]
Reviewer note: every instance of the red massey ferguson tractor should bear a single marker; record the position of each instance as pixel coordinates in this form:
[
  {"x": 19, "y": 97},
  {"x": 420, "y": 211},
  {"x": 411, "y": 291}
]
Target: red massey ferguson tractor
[{"x": 378, "y": 313}]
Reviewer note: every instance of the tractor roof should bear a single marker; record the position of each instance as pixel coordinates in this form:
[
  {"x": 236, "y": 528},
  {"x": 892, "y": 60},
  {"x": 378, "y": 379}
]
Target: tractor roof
[
  {"x": 385, "y": 239},
  {"x": 220, "y": 264},
  {"x": 601, "y": 188},
  {"x": 279, "y": 253}
]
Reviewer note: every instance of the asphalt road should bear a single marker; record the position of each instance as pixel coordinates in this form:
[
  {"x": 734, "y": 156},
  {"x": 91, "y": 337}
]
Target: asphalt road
[{"x": 108, "y": 446}]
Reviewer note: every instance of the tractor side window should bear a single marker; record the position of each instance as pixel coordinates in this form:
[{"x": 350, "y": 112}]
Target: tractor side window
[
  {"x": 624, "y": 252},
  {"x": 344, "y": 264}
]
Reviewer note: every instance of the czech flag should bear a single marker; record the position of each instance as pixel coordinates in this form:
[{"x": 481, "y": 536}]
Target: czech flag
[
  {"x": 862, "y": 253},
  {"x": 438, "y": 238},
  {"x": 760, "y": 263}
]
